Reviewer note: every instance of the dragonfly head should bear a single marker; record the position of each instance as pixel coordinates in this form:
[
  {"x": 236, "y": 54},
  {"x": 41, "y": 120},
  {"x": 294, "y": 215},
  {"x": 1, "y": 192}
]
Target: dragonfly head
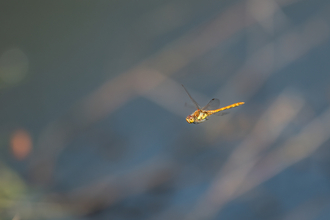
[{"x": 190, "y": 119}]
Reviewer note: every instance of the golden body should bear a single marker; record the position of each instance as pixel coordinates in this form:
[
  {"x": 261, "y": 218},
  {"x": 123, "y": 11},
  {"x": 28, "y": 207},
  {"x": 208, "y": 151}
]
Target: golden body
[{"x": 202, "y": 114}]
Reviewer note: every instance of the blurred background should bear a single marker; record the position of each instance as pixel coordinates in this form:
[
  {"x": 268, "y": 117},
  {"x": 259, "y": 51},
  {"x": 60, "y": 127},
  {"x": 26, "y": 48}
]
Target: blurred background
[{"x": 93, "y": 111}]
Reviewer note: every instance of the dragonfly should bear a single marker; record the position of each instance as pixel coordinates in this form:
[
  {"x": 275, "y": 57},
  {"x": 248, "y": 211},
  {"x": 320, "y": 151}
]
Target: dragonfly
[{"x": 202, "y": 114}]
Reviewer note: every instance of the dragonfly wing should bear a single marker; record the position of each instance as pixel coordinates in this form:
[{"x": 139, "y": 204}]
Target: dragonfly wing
[
  {"x": 221, "y": 113},
  {"x": 213, "y": 104},
  {"x": 189, "y": 105},
  {"x": 193, "y": 100}
]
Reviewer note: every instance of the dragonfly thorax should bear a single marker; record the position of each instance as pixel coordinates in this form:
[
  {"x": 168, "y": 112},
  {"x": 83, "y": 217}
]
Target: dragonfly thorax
[{"x": 197, "y": 117}]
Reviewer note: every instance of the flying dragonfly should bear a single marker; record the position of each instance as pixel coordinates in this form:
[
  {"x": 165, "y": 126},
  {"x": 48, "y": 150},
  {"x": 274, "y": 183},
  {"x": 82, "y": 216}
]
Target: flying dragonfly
[{"x": 202, "y": 114}]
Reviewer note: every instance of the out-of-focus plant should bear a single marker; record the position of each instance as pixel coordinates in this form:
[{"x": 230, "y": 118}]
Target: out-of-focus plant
[{"x": 12, "y": 188}]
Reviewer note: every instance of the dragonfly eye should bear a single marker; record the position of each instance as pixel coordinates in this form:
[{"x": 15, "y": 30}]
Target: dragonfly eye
[{"x": 190, "y": 119}]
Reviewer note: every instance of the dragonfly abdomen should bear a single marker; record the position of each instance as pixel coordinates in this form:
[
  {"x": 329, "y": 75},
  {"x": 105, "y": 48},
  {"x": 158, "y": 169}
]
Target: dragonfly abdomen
[{"x": 225, "y": 108}]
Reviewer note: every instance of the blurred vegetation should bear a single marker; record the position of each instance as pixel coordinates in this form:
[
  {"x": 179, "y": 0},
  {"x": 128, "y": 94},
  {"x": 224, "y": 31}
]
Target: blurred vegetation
[{"x": 12, "y": 190}]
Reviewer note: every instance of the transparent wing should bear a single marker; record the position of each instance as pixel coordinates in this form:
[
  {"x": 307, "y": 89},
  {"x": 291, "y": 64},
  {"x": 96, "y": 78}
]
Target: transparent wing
[
  {"x": 193, "y": 100},
  {"x": 221, "y": 113},
  {"x": 212, "y": 105},
  {"x": 190, "y": 106}
]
